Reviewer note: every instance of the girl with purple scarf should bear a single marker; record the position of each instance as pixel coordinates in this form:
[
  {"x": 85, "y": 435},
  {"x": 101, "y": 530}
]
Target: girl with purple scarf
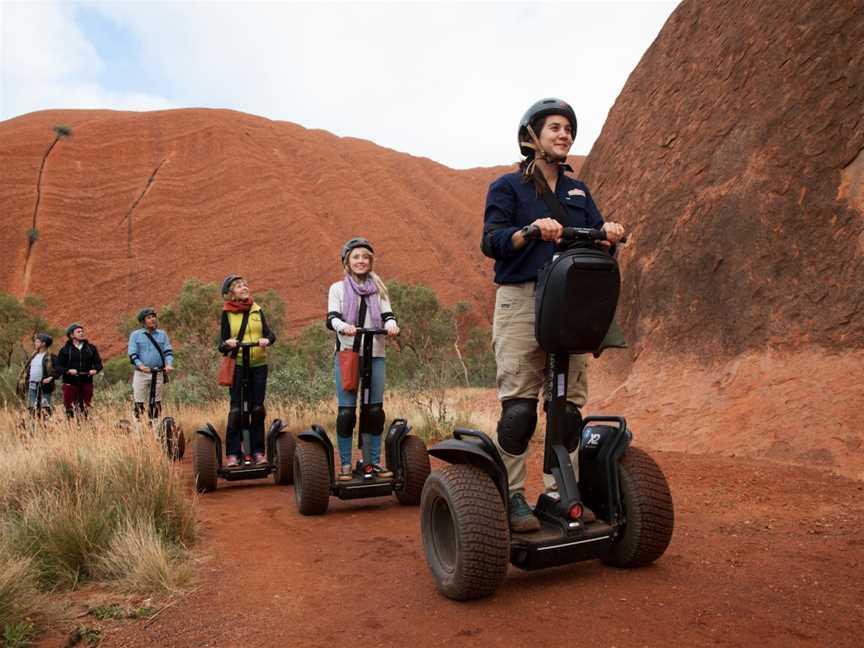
[{"x": 361, "y": 291}]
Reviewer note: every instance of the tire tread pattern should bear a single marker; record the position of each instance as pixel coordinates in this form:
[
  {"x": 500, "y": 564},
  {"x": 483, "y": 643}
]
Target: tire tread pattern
[
  {"x": 650, "y": 515},
  {"x": 311, "y": 478},
  {"x": 285, "y": 449},
  {"x": 204, "y": 465},
  {"x": 480, "y": 521},
  {"x": 416, "y": 468}
]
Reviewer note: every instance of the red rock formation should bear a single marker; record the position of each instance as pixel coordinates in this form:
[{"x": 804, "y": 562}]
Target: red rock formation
[
  {"x": 131, "y": 204},
  {"x": 734, "y": 155}
]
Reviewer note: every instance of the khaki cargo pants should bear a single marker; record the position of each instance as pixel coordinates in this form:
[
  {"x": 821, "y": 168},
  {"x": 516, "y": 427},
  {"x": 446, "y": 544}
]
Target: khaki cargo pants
[
  {"x": 141, "y": 386},
  {"x": 520, "y": 369}
]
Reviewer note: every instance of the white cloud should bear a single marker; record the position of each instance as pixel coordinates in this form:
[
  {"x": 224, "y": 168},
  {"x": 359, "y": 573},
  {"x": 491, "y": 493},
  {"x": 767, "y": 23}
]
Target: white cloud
[
  {"x": 446, "y": 81},
  {"x": 47, "y": 62}
]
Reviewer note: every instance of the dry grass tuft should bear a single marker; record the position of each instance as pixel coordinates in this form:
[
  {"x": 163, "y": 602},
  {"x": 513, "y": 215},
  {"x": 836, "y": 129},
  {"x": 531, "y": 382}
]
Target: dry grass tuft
[
  {"x": 71, "y": 494},
  {"x": 142, "y": 561}
]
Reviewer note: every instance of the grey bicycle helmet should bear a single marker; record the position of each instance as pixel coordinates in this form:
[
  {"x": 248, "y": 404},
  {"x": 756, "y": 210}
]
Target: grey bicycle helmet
[
  {"x": 353, "y": 244},
  {"x": 227, "y": 281},
  {"x": 542, "y": 108},
  {"x": 143, "y": 313}
]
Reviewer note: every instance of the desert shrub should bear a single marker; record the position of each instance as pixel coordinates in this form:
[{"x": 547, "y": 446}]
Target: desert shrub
[
  {"x": 66, "y": 492},
  {"x": 20, "y": 598},
  {"x": 19, "y": 320},
  {"x": 142, "y": 560}
]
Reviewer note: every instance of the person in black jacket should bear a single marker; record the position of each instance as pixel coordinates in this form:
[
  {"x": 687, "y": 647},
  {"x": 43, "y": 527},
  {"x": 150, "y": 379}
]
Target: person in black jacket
[
  {"x": 36, "y": 382},
  {"x": 78, "y": 361},
  {"x": 542, "y": 195}
]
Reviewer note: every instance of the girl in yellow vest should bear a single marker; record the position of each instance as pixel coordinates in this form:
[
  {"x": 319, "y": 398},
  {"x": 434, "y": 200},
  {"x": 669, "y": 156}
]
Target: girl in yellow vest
[{"x": 238, "y": 302}]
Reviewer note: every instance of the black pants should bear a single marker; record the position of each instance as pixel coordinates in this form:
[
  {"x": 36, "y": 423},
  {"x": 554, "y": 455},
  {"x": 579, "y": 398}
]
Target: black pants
[{"x": 257, "y": 387}]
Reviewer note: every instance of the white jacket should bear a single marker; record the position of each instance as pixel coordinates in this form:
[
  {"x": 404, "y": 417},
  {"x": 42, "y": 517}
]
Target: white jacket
[{"x": 335, "y": 322}]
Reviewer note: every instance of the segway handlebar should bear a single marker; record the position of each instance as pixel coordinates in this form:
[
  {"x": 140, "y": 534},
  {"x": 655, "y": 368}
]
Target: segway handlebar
[
  {"x": 247, "y": 345},
  {"x": 372, "y": 331},
  {"x": 532, "y": 233}
]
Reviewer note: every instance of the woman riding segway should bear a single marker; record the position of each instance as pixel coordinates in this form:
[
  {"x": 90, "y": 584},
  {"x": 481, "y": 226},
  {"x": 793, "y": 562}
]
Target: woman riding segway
[
  {"x": 538, "y": 194},
  {"x": 554, "y": 304},
  {"x": 359, "y": 313},
  {"x": 360, "y": 300},
  {"x": 243, "y": 321}
]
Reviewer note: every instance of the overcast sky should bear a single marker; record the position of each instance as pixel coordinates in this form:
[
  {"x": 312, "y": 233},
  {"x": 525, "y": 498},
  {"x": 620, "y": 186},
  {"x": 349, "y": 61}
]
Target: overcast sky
[{"x": 448, "y": 81}]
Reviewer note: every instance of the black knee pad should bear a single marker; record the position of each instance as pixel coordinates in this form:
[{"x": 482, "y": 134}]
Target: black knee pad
[
  {"x": 376, "y": 419},
  {"x": 517, "y": 424},
  {"x": 345, "y": 420},
  {"x": 573, "y": 434},
  {"x": 234, "y": 418},
  {"x": 258, "y": 414}
]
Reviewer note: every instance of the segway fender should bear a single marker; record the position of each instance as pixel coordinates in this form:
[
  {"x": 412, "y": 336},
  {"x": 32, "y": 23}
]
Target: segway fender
[
  {"x": 396, "y": 434},
  {"x": 461, "y": 451},
  {"x": 601, "y": 448},
  {"x": 316, "y": 434},
  {"x": 210, "y": 432},
  {"x": 276, "y": 429}
]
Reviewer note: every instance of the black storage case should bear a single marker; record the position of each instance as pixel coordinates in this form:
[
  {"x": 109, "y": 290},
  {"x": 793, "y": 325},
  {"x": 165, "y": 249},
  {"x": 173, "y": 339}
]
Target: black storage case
[{"x": 577, "y": 293}]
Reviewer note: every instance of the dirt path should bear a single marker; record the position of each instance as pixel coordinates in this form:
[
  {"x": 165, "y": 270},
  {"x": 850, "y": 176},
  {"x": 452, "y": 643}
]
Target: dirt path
[{"x": 763, "y": 554}]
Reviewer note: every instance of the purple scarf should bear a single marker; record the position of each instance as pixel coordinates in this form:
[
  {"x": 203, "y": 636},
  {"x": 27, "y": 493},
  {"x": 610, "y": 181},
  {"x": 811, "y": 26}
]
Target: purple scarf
[{"x": 351, "y": 293}]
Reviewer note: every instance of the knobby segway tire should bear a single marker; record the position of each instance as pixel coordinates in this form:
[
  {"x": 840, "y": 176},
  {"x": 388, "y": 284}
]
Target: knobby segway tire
[
  {"x": 311, "y": 478},
  {"x": 415, "y": 470},
  {"x": 284, "y": 459},
  {"x": 465, "y": 533},
  {"x": 173, "y": 439},
  {"x": 204, "y": 464},
  {"x": 649, "y": 516}
]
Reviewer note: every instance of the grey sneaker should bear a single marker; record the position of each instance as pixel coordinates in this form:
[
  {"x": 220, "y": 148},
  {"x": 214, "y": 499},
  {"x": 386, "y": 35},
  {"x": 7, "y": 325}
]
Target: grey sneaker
[{"x": 522, "y": 518}]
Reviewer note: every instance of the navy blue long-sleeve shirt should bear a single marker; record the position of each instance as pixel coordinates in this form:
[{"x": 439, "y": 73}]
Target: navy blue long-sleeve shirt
[{"x": 511, "y": 204}]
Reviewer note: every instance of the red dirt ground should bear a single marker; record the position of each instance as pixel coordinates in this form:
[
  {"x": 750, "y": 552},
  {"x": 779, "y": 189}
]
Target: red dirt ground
[{"x": 762, "y": 554}]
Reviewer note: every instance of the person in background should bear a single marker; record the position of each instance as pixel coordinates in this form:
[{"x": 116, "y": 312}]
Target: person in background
[
  {"x": 36, "y": 382},
  {"x": 360, "y": 300},
  {"x": 243, "y": 321},
  {"x": 149, "y": 352},
  {"x": 78, "y": 361}
]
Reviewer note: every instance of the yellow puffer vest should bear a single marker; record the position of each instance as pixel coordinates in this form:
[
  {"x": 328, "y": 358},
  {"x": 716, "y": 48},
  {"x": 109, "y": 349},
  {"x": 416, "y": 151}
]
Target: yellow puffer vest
[{"x": 254, "y": 332}]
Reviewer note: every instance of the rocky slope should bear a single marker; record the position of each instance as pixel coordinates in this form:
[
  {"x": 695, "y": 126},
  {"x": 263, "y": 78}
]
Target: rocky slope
[{"x": 735, "y": 154}]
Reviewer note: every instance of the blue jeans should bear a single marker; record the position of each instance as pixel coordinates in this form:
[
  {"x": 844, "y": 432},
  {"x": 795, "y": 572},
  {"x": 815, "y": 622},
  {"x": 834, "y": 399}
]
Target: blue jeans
[
  {"x": 349, "y": 399},
  {"x": 376, "y": 394},
  {"x": 32, "y": 391}
]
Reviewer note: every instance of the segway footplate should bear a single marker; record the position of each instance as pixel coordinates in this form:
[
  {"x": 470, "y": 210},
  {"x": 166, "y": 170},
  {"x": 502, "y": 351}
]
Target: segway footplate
[
  {"x": 253, "y": 471},
  {"x": 552, "y": 546},
  {"x": 359, "y": 488}
]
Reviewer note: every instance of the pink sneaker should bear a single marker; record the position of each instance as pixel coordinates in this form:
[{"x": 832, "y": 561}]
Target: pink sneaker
[
  {"x": 233, "y": 461},
  {"x": 260, "y": 459}
]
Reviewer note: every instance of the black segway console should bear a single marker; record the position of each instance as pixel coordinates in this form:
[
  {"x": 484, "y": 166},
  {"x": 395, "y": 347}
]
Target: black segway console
[
  {"x": 207, "y": 464},
  {"x": 464, "y": 507},
  {"x": 314, "y": 467}
]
